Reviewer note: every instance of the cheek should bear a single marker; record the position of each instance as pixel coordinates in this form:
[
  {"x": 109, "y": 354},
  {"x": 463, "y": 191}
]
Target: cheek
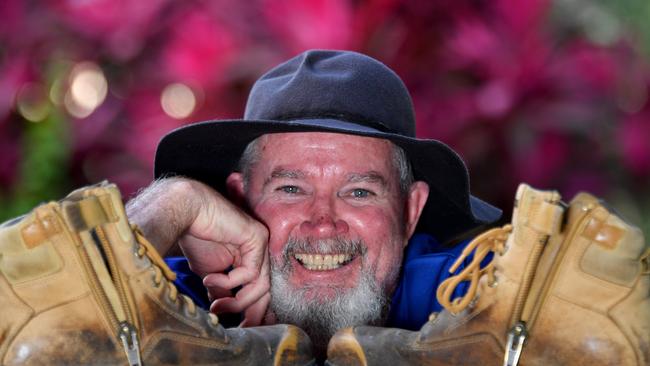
[
  {"x": 388, "y": 272},
  {"x": 385, "y": 239},
  {"x": 376, "y": 225},
  {"x": 280, "y": 221},
  {"x": 386, "y": 258}
]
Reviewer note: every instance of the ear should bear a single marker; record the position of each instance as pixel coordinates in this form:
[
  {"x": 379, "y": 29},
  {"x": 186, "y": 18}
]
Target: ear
[
  {"x": 235, "y": 187},
  {"x": 417, "y": 198}
]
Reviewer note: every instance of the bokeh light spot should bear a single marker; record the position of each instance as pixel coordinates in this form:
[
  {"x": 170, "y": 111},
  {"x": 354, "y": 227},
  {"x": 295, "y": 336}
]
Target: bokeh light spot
[
  {"x": 88, "y": 87},
  {"x": 600, "y": 26},
  {"x": 57, "y": 91},
  {"x": 32, "y": 102},
  {"x": 178, "y": 100}
]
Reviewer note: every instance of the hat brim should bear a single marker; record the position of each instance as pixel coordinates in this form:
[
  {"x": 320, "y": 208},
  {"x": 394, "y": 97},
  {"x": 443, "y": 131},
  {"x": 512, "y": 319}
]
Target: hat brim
[{"x": 209, "y": 152}]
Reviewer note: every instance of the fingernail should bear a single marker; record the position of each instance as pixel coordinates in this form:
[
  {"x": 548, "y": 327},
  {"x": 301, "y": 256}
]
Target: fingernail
[{"x": 207, "y": 282}]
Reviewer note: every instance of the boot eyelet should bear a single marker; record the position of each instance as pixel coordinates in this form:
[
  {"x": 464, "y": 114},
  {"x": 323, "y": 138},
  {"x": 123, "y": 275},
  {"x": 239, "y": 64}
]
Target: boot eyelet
[
  {"x": 136, "y": 252},
  {"x": 171, "y": 300},
  {"x": 190, "y": 314},
  {"x": 213, "y": 320},
  {"x": 433, "y": 316}
]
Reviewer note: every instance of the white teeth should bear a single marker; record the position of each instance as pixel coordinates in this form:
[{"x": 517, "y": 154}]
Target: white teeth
[{"x": 322, "y": 262}]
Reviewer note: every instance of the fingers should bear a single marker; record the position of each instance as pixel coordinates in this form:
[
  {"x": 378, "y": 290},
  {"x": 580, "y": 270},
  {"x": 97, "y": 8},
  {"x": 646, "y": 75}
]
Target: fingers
[
  {"x": 255, "y": 313},
  {"x": 207, "y": 257},
  {"x": 220, "y": 221},
  {"x": 243, "y": 300},
  {"x": 237, "y": 277},
  {"x": 215, "y": 293},
  {"x": 253, "y": 299},
  {"x": 221, "y": 235},
  {"x": 224, "y": 225}
]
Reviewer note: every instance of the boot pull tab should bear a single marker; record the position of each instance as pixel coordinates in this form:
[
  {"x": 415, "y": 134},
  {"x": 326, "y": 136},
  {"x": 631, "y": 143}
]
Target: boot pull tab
[{"x": 89, "y": 212}]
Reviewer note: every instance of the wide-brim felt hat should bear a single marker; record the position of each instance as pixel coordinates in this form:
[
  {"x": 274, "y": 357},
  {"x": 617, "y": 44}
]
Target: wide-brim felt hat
[{"x": 331, "y": 91}]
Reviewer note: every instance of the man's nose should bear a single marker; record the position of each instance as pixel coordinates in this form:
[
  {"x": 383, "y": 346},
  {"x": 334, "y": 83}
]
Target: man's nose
[{"x": 323, "y": 221}]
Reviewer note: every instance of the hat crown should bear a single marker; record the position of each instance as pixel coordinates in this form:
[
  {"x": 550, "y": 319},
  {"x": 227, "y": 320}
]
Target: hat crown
[{"x": 340, "y": 85}]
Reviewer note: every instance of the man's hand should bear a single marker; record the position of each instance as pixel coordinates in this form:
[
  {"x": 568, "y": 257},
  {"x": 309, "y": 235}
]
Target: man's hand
[{"x": 214, "y": 235}]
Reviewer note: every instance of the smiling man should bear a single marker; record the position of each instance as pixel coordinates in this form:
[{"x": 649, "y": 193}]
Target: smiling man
[
  {"x": 325, "y": 185},
  {"x": 338, "y": 225}
]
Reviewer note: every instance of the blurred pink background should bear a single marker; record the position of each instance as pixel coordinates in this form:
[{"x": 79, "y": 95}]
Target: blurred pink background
[{"x": 552, "y": 93}]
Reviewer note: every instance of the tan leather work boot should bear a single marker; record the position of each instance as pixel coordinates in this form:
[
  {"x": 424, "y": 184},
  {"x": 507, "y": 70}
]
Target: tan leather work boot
[
  {"x": 567, "y": 286},
  {"x": 79, "y": 285}
]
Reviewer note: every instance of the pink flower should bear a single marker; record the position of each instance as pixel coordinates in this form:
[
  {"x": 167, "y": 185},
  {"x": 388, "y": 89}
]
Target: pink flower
[
  {"x": 634, "y": 139},
  {"x": 522, "y": 19},
  {"x": 14, "y": 72},
  {"x": 146, "y": 124},
  {"x": 9, "y": 154},
  {"x": 540, "y": 158},
  {"x": 584, "y": 69},
  {"x": 199, "y": 50},
  {"x": 472, "y": 42},
  {"x": 13, "y": 20},
  {"x": 301, "y": 25},
  {"x": 122, "y": 25},
  {"x": 592, "y": 181}
]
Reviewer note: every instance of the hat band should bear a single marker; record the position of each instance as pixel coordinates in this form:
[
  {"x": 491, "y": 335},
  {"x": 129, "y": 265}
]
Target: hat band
[
  {"x": 335, "y": 124},
  {"x": 351, "y": 118}
]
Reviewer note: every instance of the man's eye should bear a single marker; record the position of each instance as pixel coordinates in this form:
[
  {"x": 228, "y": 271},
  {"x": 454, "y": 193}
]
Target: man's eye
[
  {"x": 289, "y": 189},
  {"x": 361, "y": 193}
]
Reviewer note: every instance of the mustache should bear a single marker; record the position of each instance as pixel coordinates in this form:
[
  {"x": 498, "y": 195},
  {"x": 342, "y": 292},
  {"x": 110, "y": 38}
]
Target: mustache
[{"x": 335, "y": 245}]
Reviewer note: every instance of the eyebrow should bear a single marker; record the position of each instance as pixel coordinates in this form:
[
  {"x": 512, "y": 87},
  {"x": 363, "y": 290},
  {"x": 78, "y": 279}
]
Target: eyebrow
[
  {"x": 284, "y": 173},
  {"x": 368, "y": 177}
]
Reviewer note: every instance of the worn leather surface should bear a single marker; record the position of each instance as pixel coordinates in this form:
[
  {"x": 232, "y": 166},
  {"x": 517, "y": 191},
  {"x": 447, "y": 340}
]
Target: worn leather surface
[
  {"x": 51, "y": 314},
  {"x": 588, "y": 303}
]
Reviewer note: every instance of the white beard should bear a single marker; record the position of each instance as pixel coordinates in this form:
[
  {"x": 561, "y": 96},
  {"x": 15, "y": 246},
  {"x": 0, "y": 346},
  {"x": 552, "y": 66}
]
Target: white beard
[{"x": 365, "y": 304}]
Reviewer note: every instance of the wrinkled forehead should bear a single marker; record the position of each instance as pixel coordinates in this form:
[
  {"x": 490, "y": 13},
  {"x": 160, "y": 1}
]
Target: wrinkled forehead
[
  {"x": 323, "y": 138},
  {"x": 318, "y": 150},
  {"x": 354, "y": 152}
]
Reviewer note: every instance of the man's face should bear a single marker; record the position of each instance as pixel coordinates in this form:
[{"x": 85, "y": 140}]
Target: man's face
[{"x": 338, "y": 221}]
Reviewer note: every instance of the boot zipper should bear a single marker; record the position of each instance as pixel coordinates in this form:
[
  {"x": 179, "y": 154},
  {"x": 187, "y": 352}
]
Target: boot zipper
[
  {"x": 116, "y": 274},
  {"x": 550, "y": 278},
  {"x": 518, "y": 333},
  {"x": 129, "y": 337},
  {"x": 529, "y": 276},
  {"x": 521, "y": 328},
  {"x": 530, "y": 269},
  {"x": 127, "y": 329},
  {"x": 123, "y": 330},
  {"x": 516, "y": 338}
]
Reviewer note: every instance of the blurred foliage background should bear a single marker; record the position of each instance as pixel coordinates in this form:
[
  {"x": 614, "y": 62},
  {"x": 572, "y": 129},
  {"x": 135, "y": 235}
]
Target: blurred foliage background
[{"x": 552, "y": 93}]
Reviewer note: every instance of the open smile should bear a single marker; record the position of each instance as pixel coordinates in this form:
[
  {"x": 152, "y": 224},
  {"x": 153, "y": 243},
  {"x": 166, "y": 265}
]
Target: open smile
[{"x": 323, "y": 262}]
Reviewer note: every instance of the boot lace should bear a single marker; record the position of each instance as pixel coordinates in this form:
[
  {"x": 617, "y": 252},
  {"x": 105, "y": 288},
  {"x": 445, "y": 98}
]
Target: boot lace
[
  {"x": 491, "y": 241},
  {"x": 162, "y": 273}
]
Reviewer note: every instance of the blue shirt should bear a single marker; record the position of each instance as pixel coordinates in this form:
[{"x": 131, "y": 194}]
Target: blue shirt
[{"x": 426, "y": 264}]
